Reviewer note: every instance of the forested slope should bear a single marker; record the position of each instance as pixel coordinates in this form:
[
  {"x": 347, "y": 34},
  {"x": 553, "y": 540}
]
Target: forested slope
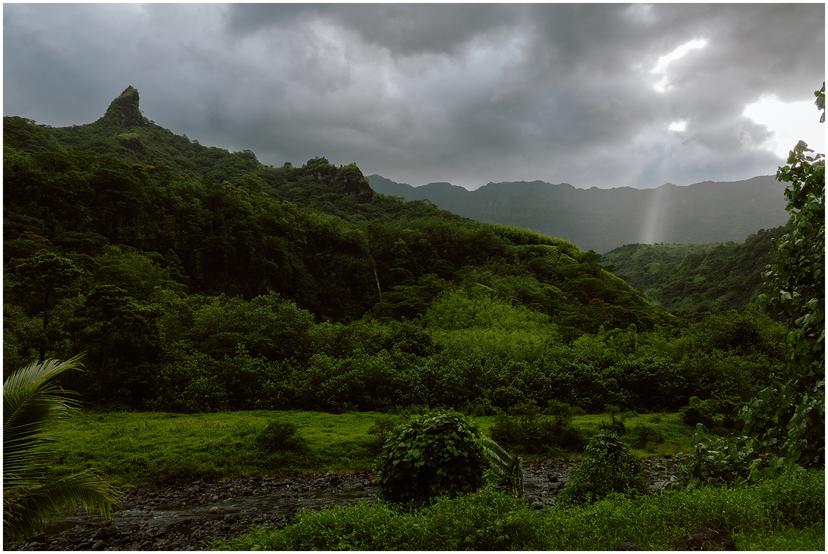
[
  {"x": 198, "y": 279},
  {"x": 695, "y": 278},
  {"x": 220, "y": 222}
]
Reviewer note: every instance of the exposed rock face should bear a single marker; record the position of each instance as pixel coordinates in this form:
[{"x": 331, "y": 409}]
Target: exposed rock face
[
  {"x": 351, "y": 180},
  {"x": 124, "y": 111}
]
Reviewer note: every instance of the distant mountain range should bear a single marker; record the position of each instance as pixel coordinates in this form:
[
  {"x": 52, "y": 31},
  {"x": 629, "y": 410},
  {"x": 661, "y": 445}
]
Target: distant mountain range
[{"x": 604, "y": 219}]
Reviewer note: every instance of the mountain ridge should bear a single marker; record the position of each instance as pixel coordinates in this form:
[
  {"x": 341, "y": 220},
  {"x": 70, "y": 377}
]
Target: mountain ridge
[
  {"x": 604, "y": 219},
  {"x": 317, "y": 234}
]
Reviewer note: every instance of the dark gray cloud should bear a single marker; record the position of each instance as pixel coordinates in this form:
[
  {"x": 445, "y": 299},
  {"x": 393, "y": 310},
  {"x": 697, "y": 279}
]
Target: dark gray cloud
[{"x": 418, "y": 93}]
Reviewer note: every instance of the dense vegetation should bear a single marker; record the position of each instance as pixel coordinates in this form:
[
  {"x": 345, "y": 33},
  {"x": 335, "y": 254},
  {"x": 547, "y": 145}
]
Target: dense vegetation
[
  {"x": 790, "y": 515},
  {"x": 697, "y": 278},
  {"x": 198, "y": 279}
]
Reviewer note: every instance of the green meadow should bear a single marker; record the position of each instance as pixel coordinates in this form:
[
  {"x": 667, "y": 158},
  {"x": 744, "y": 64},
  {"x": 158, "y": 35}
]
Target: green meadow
[{"x": 136, "y": 448}]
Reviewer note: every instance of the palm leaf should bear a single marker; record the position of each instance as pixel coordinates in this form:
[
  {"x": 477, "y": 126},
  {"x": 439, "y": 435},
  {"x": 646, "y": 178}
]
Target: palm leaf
[
  {"x": 26, "y": 510},
  {"x": 32, "y": 403},
  {"x": 506, "y": 468}
]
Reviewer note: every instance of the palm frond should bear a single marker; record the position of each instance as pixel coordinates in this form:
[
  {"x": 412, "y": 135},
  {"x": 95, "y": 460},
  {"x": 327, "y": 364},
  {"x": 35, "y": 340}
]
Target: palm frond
[
  {"x": 33, "y": 403},
  {"x": 505, "y": 468},
  {"x": 31, "y": 399},
  {"x": 26, "y": 510}
]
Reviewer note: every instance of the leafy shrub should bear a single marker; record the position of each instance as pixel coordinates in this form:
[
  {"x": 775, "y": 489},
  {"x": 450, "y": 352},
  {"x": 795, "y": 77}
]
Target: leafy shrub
[
  {"x": 525, "y": 408},
  {"x": 190, "y": 385},
  {"x": 725, "y": 461},
  {"x": 558, "y": 409},
  {"x": 434, "y": 454},
  {"x": 714, "y": 413},
  {"x": 650, "y": 381},
  {"x": 534, "y": 434},
  {"x": 268, "y": 325},
  {"x": 479, "y": 408},
  {"x": 646, "y": 436},
  {"x": 507, "y": 430},
  {"x": 281, "y": 436},
  {"x": 358, "y": 382},
  {"x": 697, "y": 411},
  {"x": 788, "y": 420},
  {"x": 380, "y": 431},
  {"x": 608, "y": 467}
]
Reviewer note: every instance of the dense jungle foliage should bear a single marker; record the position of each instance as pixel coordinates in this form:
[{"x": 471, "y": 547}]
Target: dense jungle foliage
[
  {"x": 196, "y": 279},
  {"x": 697, "y": 278}
]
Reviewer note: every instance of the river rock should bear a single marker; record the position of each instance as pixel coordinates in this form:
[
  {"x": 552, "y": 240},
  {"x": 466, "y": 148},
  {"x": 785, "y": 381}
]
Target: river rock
[{"x": 186, "y": 516}]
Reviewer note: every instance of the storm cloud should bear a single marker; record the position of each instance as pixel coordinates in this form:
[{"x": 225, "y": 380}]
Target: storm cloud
[{"x": 584, "y": 94}]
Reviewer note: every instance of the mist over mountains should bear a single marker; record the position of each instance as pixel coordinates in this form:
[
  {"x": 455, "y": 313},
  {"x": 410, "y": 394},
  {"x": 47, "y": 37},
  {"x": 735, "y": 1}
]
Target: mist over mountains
[{"x": 604, "y": 219}]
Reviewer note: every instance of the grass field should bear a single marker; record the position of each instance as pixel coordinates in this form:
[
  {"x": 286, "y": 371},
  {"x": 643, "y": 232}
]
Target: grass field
[{"x": 134, "y": 448}]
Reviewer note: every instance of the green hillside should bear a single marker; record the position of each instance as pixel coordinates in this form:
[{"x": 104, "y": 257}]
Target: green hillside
[
  {"x": 220, "y": 222},
  {"x": 696, "y": 278},
  {"x": 197, "y": 279}
]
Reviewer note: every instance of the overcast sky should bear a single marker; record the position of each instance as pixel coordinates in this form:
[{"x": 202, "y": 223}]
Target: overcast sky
[{"x": 593, "y": 95}]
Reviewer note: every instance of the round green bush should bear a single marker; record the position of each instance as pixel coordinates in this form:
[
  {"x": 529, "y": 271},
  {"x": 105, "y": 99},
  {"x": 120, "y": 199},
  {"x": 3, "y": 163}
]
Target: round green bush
[
  {"x": 281, "y": 436},
  {"x": 608, "y": 467},
  {"x": 436, "y": 454}
]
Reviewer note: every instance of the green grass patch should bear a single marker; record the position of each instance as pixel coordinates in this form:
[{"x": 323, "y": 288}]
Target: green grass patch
[
  {"x": 784, "y": 512},
  {"x": 675, "y": 434},
  {"x": 139, "y": 447},
  {"x": 786, "y": 538}
]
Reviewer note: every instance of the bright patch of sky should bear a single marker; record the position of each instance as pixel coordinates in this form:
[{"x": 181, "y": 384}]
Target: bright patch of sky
[
  {"x": 678, "y": 126},
  {"x": 788, "y": 123},
  {"x": 663, "y": 62}
]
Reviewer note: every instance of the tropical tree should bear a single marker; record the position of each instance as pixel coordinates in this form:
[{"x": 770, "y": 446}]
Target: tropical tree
[
  {"x": 789, "y": 415},
  {"x": 32, "y": 403},
  {"x": 784, "y": 424},
  {"x": 42, "y": 281}
]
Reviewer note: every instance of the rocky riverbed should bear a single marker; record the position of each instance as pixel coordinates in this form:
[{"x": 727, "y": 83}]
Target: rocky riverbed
[{"x": 194, "y": 515}]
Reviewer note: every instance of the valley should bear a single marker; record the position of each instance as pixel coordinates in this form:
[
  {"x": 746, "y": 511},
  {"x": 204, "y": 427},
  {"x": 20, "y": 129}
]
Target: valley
[{"x": 261, "y": 339}]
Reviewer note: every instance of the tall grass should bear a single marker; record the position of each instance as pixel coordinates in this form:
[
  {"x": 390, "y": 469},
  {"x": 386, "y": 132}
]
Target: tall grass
[{"x": 788, "y": 510}]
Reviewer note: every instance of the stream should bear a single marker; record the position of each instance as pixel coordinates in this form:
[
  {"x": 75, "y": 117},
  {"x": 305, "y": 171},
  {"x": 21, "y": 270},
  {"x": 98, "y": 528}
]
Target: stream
[{"x": 192, "y": 516}]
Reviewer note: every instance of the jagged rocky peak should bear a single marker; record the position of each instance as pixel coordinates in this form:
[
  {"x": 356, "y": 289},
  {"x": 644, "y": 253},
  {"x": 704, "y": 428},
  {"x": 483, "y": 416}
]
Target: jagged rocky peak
[
  {"x": 353, "y": 182},
  {"x": 124, "y": 111}
]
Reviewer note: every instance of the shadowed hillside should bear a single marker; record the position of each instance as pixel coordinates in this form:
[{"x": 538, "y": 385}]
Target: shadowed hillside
[
  {"x": 603, "y": 219},
  {"x": 694, "y": 278}
]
